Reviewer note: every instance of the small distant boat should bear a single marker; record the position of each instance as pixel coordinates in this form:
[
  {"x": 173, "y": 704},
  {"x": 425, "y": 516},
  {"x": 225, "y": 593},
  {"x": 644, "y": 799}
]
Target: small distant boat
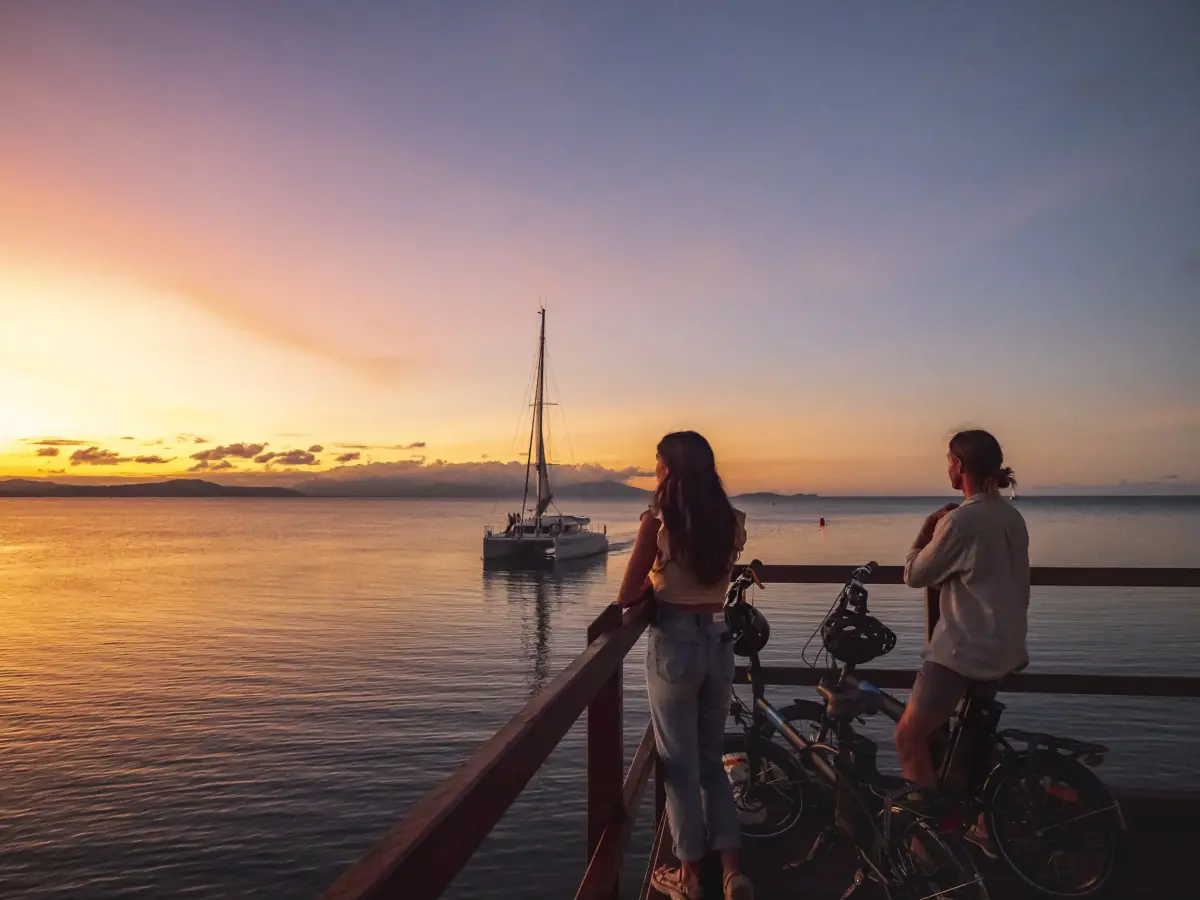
[{"x": 531, "y": 532}]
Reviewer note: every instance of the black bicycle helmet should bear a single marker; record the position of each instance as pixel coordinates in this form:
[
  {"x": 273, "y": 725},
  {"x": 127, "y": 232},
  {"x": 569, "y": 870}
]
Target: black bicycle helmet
[
  {"x": 748, "y": 627},
  {"x": 855, "y": 638}
]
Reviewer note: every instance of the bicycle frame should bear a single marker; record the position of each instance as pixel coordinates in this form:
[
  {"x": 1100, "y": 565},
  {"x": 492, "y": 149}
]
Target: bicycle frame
[{"x": 861, "y": 815}]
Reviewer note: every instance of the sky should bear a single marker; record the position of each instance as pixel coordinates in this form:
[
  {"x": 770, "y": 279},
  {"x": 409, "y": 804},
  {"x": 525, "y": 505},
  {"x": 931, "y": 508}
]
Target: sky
[{"x": 824, "y": 236}]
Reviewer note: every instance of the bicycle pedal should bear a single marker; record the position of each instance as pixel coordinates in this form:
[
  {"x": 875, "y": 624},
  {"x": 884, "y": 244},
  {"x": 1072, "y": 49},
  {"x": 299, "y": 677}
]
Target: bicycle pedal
[
  {"x": 818, "y": 849},
  {"x": 858, "y": 882}
]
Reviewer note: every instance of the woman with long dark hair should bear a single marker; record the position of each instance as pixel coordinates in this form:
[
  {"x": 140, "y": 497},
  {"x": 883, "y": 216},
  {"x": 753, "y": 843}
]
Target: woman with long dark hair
[{"x": 685, "y": 549}]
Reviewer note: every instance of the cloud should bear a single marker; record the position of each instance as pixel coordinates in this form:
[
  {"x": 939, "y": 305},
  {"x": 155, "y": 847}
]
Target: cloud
[
  {"x": 152, "y": 460},
  {"x": 94, "y": 456},
  {"x": 128, "y": 438},
  {"x": 239, "y": 451},
  {"x": 417, "y": 445},
  {"x": 55, "y": 442},
  {"x": 288, "y": 458},
  {"x": 439, "y": 478},
  {"x": 349, "y": 457},
  {"x": 248, "y": 315},
  {"x": 316, "y": 448},
  {"x": 191, "y": 438},
  {"x": 1168, "y": 477},
  {"x": 204, "y": 465},
  {"x": 48, "y": 451}
]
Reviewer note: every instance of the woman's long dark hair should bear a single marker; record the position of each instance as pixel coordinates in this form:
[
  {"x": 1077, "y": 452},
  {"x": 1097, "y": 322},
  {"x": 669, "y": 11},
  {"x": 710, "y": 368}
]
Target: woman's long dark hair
[
  {"x": 981, "y": 457},
  {"x": 701, "y": 524}
]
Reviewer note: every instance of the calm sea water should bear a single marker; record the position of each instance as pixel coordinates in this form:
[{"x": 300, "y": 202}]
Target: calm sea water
[{"x": 216, "y": 698}]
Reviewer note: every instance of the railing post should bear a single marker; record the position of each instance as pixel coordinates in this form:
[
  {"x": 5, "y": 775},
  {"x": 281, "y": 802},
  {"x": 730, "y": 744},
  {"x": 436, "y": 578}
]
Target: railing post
[{"x": 605, "y": 745}]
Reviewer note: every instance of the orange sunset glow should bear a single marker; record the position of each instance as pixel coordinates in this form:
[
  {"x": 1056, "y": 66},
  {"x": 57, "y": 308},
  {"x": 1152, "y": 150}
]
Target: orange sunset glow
[{"x": 232, "y": 250}]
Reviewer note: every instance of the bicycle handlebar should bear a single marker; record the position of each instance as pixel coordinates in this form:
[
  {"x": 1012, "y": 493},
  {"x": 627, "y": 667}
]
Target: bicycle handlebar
[
  {"x": 748, "y": 576},
  {"x": 867, "y": 570},
  {"x": 888, "y": 705}
]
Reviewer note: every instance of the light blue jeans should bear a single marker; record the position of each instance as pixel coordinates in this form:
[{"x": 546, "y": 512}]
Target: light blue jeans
[{"x": 689, "y": 676}]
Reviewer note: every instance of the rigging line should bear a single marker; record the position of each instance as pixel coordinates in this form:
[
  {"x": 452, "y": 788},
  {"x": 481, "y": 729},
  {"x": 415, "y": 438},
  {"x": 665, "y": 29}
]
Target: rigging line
[
  {"x": 512, "y": 447},
  {"x": 561, "y": 411},
  {"x": 812, "y": 637}
]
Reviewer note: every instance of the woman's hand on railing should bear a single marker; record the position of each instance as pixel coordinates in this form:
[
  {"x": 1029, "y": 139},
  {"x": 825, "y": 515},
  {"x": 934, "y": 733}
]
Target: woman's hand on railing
[{"x": 628, "y": 599}]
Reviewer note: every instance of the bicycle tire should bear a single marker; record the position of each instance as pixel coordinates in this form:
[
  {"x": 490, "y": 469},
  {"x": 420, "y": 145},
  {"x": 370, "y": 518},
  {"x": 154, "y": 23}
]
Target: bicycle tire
[
  {"x": 1067, "y": 787},
  {"x": 781, "y": 787},
  {"x": 805, "y": 711},
  {"x": 942, "y": 869}
]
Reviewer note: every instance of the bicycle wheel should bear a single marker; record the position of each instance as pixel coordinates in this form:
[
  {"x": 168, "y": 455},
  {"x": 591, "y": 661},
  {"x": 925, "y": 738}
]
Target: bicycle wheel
[
  {"x": 806, "y": 716},
  {"x": 927, "y": 865},
  {"x": 769, "y": 800},
  {"x": 1056, "y": 825}
]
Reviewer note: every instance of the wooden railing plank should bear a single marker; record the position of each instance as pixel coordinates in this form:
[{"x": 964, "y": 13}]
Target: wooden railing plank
[
  {"x": 1043, "y": 576},
  {"x": 644, "y": 760},
  {"x": 421, "y": 854},
  {"x": 1185, "y": 686},
  {"x": 605, "y": 748},
  {"x": 1060, "y": 576},
  {"x": 601, "y": 880}
]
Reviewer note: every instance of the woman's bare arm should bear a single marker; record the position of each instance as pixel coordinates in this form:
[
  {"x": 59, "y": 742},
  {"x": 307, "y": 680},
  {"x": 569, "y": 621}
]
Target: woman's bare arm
[{"x": 645, "y": 548}]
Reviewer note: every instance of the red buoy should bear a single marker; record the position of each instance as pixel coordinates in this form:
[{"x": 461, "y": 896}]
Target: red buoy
[{"x": 822, "y": 521}]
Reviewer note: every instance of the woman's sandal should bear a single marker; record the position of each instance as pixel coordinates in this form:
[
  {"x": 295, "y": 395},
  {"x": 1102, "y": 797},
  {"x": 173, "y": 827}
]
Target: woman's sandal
[
  {"x": 669, "y": 880},
  {"x": 738, "y": 886}
]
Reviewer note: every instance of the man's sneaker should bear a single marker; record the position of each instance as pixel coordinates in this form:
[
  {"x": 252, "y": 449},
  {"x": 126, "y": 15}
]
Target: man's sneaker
[{"x": 980, "y": 838}]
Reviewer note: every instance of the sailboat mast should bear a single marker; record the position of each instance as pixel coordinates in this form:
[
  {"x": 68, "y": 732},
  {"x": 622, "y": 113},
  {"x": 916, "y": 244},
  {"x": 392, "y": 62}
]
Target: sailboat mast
[{"x": 543, "y": 477}]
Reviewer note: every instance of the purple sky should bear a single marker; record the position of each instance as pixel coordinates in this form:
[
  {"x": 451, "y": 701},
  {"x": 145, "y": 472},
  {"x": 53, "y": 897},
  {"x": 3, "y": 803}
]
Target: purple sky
[{"x": 861, "y": 228}]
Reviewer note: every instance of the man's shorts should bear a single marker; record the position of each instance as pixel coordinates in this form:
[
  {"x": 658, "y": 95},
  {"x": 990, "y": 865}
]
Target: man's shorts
[{"x": 938, "y": 689}]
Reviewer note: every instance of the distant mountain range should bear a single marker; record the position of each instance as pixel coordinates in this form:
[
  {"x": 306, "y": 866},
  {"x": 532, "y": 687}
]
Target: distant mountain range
[
  {"x": 412, "y": 488},
  {"x": 602, "y": 490},
  {"x": 364, "y": 487},
  {"x": 770, "y": 497},
  {"x": 179, "y": 487},
  {"x": 407, "y": 488}
]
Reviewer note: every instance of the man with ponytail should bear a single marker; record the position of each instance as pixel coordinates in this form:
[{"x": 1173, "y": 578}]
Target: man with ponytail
[{"x": 977, "y": 553}]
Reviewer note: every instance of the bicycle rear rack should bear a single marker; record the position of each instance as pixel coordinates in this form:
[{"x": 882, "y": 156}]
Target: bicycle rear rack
[{"x": 1093, "y": 754}]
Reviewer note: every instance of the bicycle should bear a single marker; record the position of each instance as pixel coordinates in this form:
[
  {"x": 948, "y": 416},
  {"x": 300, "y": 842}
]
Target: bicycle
[
  {"x": 1028, "y": 796},
  {"x": 906, "y": 853}
]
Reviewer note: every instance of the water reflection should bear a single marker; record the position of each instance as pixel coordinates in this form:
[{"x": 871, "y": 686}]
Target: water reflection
[{"x": 538, "y": 588}]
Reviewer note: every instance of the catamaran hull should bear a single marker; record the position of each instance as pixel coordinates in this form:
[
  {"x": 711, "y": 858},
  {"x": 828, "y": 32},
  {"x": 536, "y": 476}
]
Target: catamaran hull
[
  {"x": 564, "y": 546},
  {"x": 577, "y": 546},
  {"x": 499, "y": 547}
]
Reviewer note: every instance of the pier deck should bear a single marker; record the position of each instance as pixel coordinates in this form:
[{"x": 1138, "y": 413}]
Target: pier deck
[{"x": 1165, "y": 828}]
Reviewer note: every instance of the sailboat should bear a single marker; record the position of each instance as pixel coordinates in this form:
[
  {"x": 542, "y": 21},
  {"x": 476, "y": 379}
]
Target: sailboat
[{"x": 533, "y": 533}]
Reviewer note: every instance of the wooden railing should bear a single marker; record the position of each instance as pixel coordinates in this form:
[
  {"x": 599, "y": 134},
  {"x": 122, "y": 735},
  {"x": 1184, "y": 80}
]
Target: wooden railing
[{"x": 420, "y": 856}]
